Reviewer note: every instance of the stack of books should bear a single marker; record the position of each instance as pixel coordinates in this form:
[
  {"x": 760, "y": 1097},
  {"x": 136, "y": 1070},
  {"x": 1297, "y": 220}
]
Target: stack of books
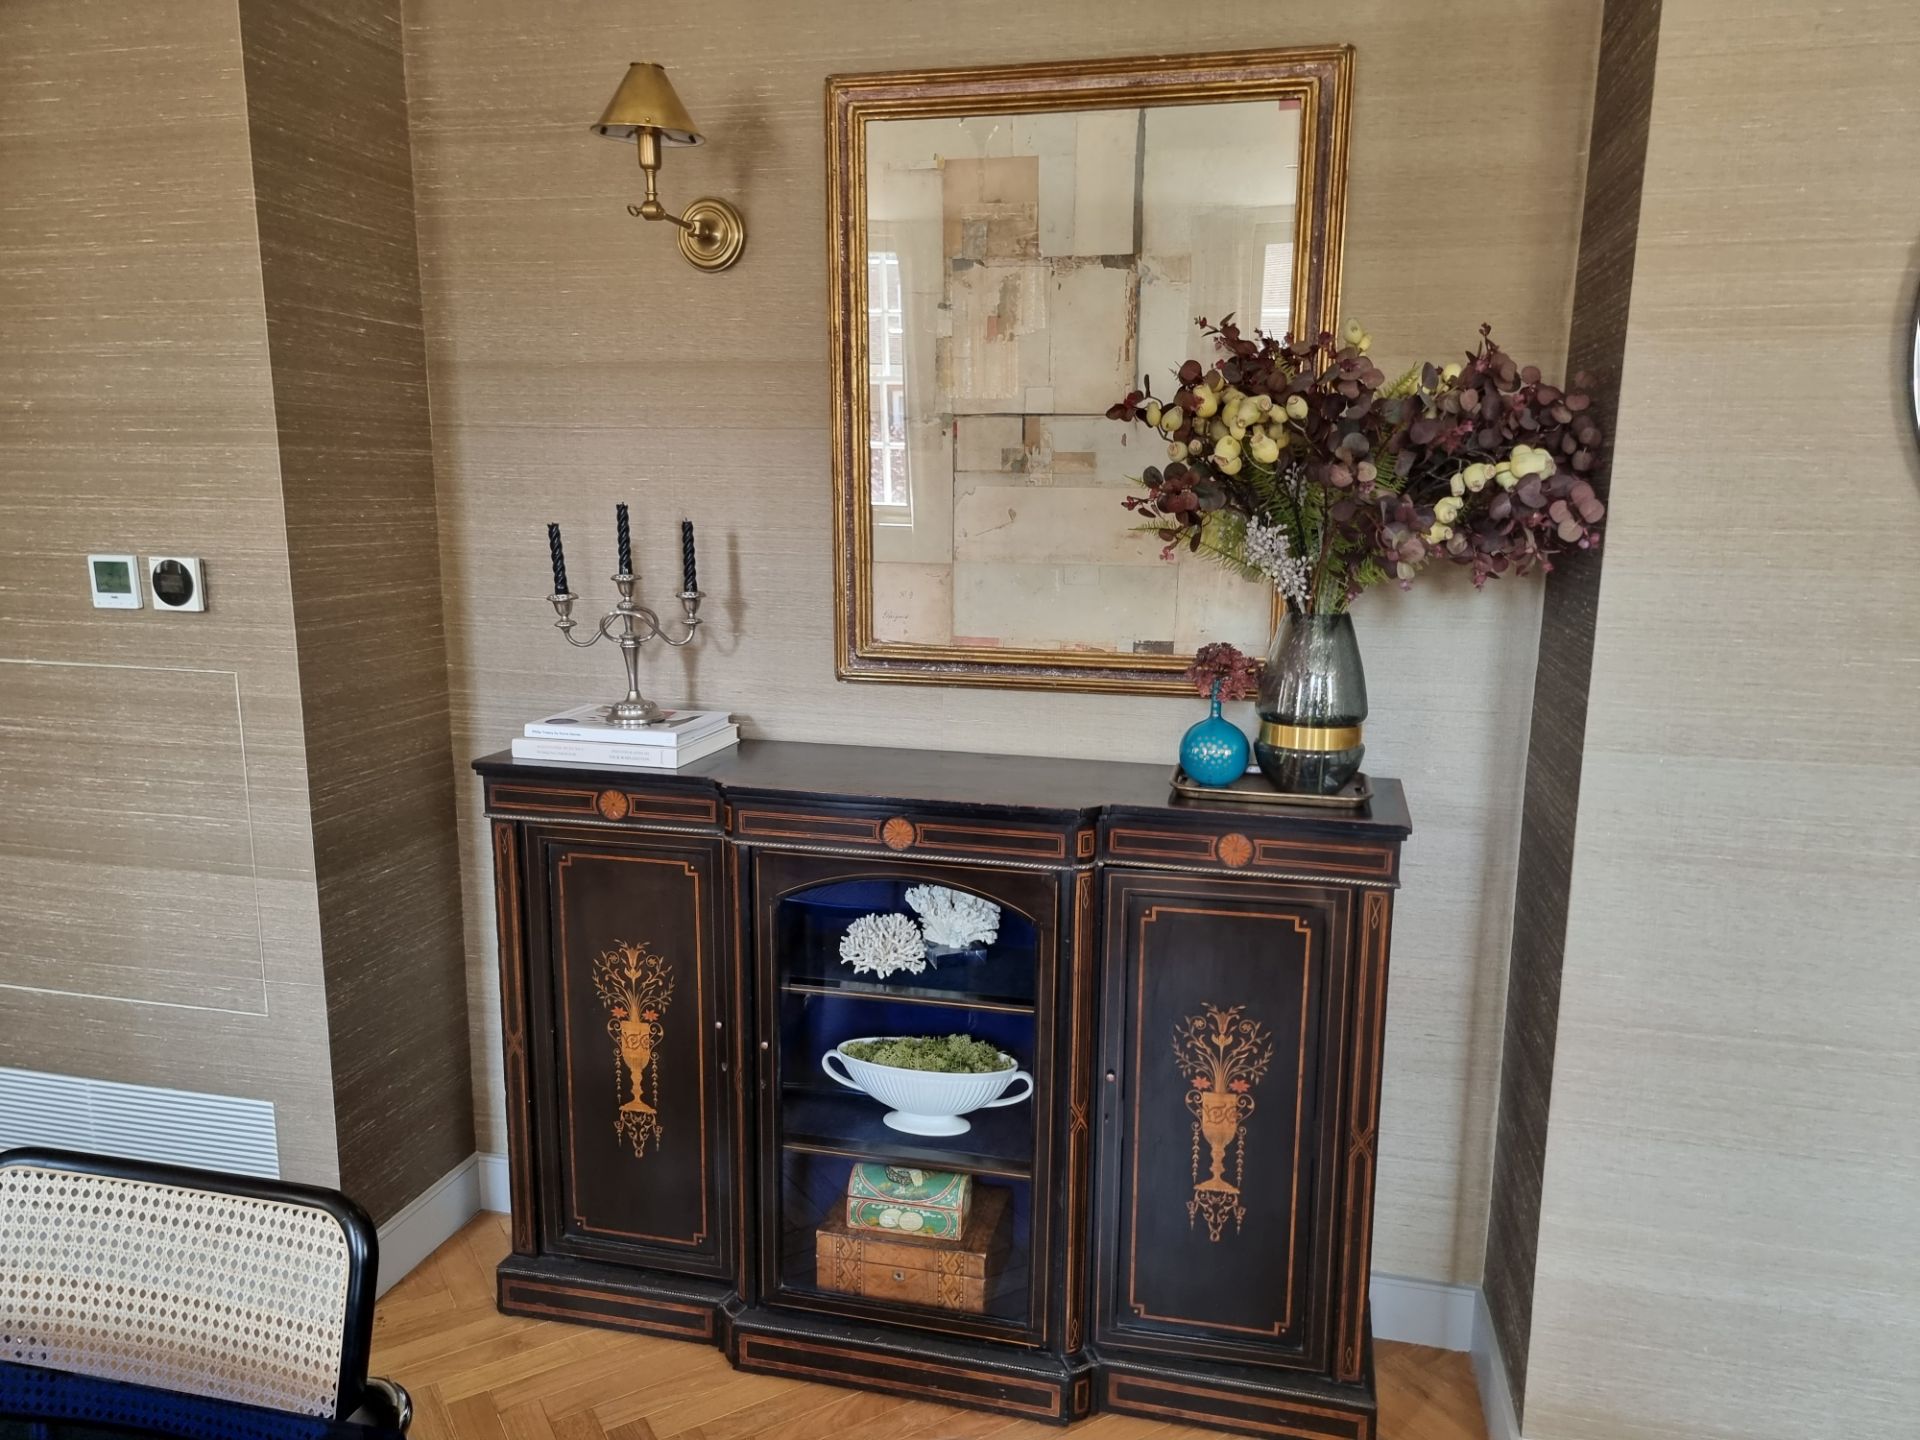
[{"x": 585, "y": 736}]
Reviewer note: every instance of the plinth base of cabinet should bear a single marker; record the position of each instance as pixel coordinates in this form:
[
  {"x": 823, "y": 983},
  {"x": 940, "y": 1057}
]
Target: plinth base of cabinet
[
  {"x": 552, "y": 1288},
  {"x": 1236, "y": 1397},
  {"x": 1033, "y": 1384}
]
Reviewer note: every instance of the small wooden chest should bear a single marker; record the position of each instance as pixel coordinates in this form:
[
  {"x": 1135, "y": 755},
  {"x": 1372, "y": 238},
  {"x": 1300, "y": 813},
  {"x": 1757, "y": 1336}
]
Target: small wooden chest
[{"x": 946, "y": 1275}]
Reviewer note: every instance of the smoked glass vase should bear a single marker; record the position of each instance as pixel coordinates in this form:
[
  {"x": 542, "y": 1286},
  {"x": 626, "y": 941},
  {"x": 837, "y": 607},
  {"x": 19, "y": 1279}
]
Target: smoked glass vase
[{"x": 1313, "y": 699}]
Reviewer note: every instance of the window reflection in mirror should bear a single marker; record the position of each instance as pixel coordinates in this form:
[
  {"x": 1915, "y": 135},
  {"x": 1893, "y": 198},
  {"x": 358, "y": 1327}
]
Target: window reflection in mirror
[{"x": 1023, "y": 273}]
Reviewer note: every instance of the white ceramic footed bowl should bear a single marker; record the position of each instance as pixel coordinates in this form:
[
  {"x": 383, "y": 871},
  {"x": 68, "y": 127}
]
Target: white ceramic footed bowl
[{"x": 925, "y": 1102}]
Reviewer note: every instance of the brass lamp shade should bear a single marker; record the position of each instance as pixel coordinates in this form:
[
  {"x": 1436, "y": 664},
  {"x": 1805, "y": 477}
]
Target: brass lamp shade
[{"x": 645, "y": 101}]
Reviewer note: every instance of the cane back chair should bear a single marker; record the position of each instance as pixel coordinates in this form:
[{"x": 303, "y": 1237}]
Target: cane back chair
[{"x": 191, "y": 1281}]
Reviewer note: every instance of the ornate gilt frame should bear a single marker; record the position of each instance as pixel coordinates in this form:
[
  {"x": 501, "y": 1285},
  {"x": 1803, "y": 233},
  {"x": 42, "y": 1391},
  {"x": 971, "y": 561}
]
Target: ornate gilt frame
[{"x": 1319, "y": 78}]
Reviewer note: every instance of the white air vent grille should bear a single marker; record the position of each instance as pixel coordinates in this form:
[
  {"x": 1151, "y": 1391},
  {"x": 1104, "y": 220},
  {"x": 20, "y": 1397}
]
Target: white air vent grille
[{"x": 138, "y": 1122}]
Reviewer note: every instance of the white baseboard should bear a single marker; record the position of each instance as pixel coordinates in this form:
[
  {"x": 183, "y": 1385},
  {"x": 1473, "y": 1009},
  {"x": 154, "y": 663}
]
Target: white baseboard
[
  {"x": 1496, "y": 1399},
  {"x": 430, "y": 1220},
  {"x": 1424, "y": 1312},
  {"x": 494, "y": 1191}
]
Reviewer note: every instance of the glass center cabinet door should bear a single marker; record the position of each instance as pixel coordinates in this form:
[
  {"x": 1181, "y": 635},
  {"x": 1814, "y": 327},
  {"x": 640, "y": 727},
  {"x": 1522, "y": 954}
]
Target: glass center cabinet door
[{"x": 910, "y": 1196}]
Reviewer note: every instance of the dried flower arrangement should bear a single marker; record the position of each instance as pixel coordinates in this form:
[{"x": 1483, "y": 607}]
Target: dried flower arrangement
[
  {"x": 1224, "y": 672},
  {"x": 1296, "y": 463}
]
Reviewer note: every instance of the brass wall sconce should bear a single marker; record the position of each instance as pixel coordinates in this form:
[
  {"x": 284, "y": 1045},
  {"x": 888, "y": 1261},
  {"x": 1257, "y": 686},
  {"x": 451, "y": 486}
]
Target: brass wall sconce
[{"x": 645, "y": 110}]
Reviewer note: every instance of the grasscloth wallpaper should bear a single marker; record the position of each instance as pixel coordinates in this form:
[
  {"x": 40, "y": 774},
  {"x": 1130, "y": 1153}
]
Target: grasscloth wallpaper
[
  {"x": 1609, "y": 227},
  {"x": 226, "y": 840},
  {"x": 1727, "y": 1241},
  {"x": 574, "y": 360},
  {"x": 327, "y": 112},
  {"x": 158, "y": 919}
]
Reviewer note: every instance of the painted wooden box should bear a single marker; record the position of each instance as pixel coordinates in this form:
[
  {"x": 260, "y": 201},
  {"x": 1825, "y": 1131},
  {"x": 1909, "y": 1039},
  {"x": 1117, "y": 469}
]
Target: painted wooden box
[{"x": 945, "y": 1274}]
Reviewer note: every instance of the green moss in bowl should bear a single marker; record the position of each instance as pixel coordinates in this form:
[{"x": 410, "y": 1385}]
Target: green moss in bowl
[{"x": 943, "y": 1054}]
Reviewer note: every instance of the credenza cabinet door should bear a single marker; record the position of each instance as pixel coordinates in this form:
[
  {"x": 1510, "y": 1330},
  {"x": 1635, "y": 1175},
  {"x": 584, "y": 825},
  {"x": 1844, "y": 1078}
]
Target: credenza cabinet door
[
  {"x": 1223, "y": 1006},
  {"x": 631, "y": 1092}
]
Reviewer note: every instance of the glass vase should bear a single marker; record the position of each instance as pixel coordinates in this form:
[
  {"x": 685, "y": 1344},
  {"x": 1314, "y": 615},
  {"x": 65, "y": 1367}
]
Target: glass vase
[
  {"x": 1214, "y": 750},
  {"x": 1313, "y": 698}
]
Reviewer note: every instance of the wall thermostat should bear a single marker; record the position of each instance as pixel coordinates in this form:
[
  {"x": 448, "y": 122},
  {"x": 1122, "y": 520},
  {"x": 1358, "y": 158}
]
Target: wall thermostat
[
  {"x": 176, "y": 582},
  {"x": 115, "y": 580}
]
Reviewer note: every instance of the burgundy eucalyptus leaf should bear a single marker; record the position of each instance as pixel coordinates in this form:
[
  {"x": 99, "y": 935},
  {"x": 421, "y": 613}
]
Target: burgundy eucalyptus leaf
[{"x": 1361, "y": 478}]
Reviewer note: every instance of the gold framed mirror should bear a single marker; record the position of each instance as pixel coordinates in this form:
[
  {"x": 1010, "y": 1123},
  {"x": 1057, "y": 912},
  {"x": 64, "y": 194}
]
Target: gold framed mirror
[{"x": 1011, "y": 249}]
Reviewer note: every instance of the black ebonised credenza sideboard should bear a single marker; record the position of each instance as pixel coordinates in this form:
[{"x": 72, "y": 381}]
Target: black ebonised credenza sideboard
[{"x": 1176, "y": 1224}]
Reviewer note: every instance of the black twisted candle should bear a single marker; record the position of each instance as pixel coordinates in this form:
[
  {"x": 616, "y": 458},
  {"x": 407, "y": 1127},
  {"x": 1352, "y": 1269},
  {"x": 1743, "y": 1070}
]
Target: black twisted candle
[
  {"x": 689, "y": 580},
  {"x": 559, "y": 560},
  {"x": 626, "y": 541}
]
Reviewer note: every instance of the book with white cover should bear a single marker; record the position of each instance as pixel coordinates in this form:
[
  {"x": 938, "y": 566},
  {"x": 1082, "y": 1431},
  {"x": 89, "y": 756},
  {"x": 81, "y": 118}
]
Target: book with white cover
[
  {"x": 590, "y": 722},
  {"x": 638, "y": 757}
]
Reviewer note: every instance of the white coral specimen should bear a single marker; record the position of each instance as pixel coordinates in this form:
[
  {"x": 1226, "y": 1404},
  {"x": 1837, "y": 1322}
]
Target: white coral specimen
[
  {"x": 881, "y": 944},
  {"x": 953, "y": 919}
]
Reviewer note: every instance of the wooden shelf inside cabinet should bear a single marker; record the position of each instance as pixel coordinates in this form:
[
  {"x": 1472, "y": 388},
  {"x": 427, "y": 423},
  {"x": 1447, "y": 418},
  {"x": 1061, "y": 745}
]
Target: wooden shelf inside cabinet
[
  {"x": 1001, "y": 976},
  {"x": 907, "y": 994},
  {"x": 1000, "y": 1142}
]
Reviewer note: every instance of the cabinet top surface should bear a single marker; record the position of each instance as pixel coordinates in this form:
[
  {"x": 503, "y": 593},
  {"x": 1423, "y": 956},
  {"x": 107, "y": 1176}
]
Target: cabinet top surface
[{"x": 1002, "y": 782}]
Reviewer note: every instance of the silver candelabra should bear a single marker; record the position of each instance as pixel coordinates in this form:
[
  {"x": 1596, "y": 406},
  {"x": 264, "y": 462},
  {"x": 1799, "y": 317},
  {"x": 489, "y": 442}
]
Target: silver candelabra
[{"x": 637, "y": 626}]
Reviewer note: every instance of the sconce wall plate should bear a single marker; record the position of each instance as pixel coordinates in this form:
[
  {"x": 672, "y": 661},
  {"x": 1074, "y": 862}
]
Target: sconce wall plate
[{"x": 714, "y": 234}]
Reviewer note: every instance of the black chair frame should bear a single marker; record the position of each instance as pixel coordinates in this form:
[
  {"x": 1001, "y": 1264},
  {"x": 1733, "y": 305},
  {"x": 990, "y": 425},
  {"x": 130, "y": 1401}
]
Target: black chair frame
[{"x": 383, "y": 1398}]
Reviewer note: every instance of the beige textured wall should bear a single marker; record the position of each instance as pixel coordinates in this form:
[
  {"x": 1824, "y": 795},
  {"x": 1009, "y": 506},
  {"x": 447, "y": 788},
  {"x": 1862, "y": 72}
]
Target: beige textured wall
[
  {"x": 153, "y": 807},
  {"x": 575, "y": 359},
  {"x": 327, "y": 110},
  {"x": 1728, "y": 1232}
]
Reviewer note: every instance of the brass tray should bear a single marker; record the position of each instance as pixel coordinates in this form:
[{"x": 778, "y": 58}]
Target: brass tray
[{"x": 1253, "y": 789}]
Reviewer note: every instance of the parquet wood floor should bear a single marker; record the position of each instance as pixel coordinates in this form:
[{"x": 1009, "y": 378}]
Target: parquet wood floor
[{"x": 478, "y": 1375}]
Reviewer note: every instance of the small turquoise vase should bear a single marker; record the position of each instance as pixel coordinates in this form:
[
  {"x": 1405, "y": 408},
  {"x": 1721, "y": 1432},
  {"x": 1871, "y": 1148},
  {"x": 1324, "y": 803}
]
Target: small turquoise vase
[{"x": 1214, "y": 751}]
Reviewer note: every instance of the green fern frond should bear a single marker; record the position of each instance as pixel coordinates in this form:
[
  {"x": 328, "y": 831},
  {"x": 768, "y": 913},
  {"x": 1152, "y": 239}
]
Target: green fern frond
[
  {"x": 1222, "y": 538},
  {"x": 1407, "y": 384}
]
